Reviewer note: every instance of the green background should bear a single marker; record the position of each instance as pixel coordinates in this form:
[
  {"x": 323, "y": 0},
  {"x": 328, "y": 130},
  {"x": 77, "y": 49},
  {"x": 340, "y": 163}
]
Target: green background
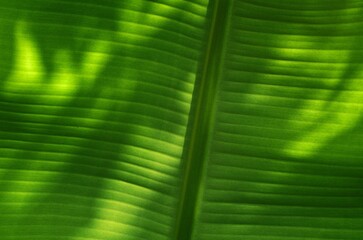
[{"x": 181, "y": 119}]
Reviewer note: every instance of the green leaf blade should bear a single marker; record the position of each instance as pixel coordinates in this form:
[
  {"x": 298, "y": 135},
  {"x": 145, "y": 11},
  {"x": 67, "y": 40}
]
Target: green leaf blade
[{"x": 284, "y": 160}]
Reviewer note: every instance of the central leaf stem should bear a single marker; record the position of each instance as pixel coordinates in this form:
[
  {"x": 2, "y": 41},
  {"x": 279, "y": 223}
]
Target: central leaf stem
[{"x": 201, "y": 118}]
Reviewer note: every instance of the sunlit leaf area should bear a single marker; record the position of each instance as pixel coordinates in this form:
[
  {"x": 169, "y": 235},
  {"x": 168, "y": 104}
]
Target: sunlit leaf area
[{"x": 181, "y": 120}]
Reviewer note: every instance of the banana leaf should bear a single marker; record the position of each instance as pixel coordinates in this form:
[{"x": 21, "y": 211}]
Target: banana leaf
[{"x": 181, "y": 120}]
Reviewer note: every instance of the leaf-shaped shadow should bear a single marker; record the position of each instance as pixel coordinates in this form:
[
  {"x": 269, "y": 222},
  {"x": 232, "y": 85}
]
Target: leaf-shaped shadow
[
  {"x": 286, "y": 70},
  {"x": 94, "y": 114}
]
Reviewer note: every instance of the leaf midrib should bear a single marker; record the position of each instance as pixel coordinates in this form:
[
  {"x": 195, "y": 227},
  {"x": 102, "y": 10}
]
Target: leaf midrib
[{"x": 201, "y": 119}]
